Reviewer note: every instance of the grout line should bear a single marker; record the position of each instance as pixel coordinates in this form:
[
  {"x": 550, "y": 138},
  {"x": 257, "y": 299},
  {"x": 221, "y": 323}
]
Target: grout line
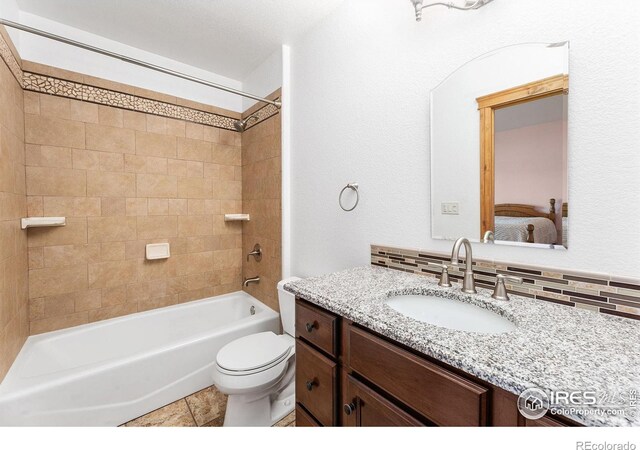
[{"x": 195, "y": 422}]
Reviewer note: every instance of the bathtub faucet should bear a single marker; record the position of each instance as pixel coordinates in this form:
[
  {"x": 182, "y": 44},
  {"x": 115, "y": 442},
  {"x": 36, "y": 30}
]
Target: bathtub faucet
[{"x": 248, "y": 281}]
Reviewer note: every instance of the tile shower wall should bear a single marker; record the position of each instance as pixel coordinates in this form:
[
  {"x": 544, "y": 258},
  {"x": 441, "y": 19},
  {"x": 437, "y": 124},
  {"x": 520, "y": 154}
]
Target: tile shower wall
[
  {"x": 261, "y": 191},
  {"x": 125, "y": 179},
  {"x": 14, "y": 327},
  {"x": 608, "y": 294}
]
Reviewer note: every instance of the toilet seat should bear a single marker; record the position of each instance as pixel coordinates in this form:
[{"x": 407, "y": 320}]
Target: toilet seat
[{"x": 253, "y": 354}]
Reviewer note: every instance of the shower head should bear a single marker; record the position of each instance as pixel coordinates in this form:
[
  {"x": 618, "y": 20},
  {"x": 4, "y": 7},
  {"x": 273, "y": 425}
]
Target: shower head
[{"x": 241, "y": 124}]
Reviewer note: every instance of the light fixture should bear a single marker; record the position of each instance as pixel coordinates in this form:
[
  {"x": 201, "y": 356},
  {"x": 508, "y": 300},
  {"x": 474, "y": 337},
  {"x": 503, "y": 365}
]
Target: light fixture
[{"x": 469, "y": 5}]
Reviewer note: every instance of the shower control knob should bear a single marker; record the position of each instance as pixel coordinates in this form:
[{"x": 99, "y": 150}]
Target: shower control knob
[
  {"x": 349, "y": 408},
  {"x": 310, "y": 326}
]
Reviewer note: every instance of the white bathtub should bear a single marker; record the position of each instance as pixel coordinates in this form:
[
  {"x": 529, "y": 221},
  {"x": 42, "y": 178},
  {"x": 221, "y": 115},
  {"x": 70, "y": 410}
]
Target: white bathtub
[{"x": 113, "y": 371}]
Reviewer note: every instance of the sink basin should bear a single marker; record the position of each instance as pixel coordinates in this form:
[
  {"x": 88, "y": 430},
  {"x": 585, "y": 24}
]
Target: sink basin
[{"x": 448, "y": 313}]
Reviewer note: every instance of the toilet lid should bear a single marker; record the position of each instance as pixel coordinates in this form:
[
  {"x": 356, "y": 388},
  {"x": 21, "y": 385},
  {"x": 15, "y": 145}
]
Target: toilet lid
[{"x": 253, "y": 352}]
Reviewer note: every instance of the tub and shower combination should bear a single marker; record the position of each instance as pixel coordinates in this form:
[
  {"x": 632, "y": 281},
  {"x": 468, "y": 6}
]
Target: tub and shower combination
[{"x": 110, "y": 372}]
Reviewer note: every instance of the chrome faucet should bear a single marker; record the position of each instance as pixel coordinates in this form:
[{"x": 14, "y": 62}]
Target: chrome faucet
[
  {"x": 489, "y": 237},
  {"x": 468, "y": 283},
  {"x": 248, "y": 281}
]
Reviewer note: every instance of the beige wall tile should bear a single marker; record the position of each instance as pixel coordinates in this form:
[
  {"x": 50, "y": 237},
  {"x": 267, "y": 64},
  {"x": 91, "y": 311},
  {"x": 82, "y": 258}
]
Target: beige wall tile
[
  {"x": 154, "y": 144},
  {"x": 134, "y": 120},
  {"x": 56, "y": 181},
  {"x": 195, "y": 226},
  {"x": 74, "y": 232},
  {"x": 113, "y": 206},
  {"x": 154, "y": 227},
  {"x": 112, "y": 311},
  {"x": 111, "y": 229},
  {"x": 57, "y": 280},
  {"x": 47, "y": 156},
  {"x": 194, "y": 150},
  {"x": 109, "y": 184},
  {"x": 194, "y": 131},
  {"x": 31, "y": 102},
  {"x": 110, "y": 139},
  {"x": 70, "y": 255},
  {"x": 110, "y": 116},
  {"x": 175, "y": 127},
  {"x": 53, "y": 106},
  {"x": 52, "y": 131},
  {"x": 151, "y": 185},
  {"x": 85, "y": 159},
  {"x": 111, "y": 162},
  {"x": 56, "y": 323},
  {"x": 84, "y": 111},
  {"x": 195, "y": 188},
  {"x": 86, "y": 206},
  {"x": 158, "y": 206},
  {"x": 136, "y": 207},
  {"x": 178, "y": 206},
  {"x": 111, "y": 273}
]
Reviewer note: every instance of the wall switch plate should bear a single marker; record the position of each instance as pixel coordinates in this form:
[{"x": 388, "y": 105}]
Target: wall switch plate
[{"x": 450, "y": 208}]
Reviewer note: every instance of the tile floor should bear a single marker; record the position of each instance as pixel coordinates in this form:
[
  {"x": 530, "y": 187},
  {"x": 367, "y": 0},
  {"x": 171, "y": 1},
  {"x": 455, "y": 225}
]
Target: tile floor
[{"x": 205, "y": 408}]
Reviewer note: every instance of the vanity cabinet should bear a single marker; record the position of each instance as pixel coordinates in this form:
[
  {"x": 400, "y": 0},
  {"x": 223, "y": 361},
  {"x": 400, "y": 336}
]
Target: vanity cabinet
[{"x": 347, "y": 375}]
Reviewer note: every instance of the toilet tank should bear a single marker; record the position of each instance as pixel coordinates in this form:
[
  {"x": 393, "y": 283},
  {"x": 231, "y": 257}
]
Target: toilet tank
[{"x": 287, "y": 302}]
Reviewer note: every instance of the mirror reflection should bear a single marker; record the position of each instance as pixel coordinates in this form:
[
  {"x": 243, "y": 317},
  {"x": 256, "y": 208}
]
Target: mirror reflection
[{"x": 499, "y": 148}]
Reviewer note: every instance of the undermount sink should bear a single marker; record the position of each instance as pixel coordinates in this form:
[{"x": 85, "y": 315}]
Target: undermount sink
[{"x": 448, "y": 313}]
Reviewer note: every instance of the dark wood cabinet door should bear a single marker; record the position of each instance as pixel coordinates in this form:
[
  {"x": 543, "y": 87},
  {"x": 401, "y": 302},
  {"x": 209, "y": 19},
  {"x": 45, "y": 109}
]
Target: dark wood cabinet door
[
  {"x": 441, "y": 396},
  {"x": 318, "y": 327},
  {"x": 304, "y": 419},
  {"x": 367, "y": 408},
  {"x": 316, "y": 383}
]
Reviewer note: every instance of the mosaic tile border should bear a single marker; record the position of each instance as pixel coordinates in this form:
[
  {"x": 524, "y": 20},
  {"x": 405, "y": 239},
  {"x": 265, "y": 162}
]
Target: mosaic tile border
[
  {"x": 596, "y": 292},
  {"x": 79, "y": 91},
  {"x": 263, "y": 114},
  {"x": 47, "y": 84},
  {"x": 10, "y": 59}
]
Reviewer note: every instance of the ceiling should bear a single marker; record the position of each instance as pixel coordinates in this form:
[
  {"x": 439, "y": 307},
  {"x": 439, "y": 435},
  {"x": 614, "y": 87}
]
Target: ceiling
[
  {"x": 227, "y": 37},
  {"x": 547, "y": 109}
]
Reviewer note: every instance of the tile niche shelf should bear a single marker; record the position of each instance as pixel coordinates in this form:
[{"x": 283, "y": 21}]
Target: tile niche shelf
[
  {"x": 33, "y": 222},
  {"x": 236, "y": 217}
]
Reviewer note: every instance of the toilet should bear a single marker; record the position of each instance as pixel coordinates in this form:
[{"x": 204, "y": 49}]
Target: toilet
[{"x": 257, "y": 371}]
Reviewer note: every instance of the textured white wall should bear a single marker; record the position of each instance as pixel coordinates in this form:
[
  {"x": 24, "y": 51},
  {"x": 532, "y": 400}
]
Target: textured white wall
[
  {"x": 360, "y": 112},
  {"x": 264, "y": 79},
  {"x": 46, "y": 51}
]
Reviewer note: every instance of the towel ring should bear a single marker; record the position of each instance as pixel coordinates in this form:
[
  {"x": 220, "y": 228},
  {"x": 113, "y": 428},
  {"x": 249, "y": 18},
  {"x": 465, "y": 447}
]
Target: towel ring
[{"x": 353, "y": 187}]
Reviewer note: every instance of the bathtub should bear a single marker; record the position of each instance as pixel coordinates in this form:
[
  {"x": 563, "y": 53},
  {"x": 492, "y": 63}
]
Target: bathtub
[{"x": 110, "y": 372}]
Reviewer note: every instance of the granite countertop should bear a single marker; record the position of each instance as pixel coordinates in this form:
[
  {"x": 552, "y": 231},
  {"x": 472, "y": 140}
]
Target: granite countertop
[{"x": 553, "y": 348}]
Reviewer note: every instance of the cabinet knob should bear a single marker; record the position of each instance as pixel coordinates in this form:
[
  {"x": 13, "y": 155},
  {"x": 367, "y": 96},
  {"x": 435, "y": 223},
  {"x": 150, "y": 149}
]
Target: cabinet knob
[
  {"x": 310, "y": 326},
  {"x": 349, "y": 408},
  {"x": 310, "y": 384}
]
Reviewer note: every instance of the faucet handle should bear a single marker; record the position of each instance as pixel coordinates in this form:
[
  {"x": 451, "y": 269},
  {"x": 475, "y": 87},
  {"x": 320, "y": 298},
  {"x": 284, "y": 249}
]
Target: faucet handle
[
  {"x": 444, "y": 276},
  {"x": 500, "y": 291},
  {"x": 510, "y": 278}
]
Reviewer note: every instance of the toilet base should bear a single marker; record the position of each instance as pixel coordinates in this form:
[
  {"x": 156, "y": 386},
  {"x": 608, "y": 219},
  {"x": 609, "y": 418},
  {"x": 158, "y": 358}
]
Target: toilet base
[{"x": 259, "y": 411}]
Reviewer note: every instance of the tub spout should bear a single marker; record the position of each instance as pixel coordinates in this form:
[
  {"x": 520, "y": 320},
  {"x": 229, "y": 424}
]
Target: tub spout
[{"x": 248, "y": 281}]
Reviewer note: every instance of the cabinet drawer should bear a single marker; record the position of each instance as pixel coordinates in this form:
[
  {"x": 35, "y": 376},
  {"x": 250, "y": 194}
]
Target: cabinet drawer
[
  {"x": 316, "y": 383},
  {"x": 443, "y": 397},
  {"x": 304, "y": 419},
  {"x": 317, "y": 326},
  {"x": 367, "y": 408}
]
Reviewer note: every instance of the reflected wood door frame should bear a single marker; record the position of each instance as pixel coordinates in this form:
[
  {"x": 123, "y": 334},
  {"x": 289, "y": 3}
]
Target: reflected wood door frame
[{"x": 487, "y": 105}]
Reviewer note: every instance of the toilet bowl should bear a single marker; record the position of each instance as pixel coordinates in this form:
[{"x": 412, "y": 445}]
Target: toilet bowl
[{"x": 257, "y": 371}]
